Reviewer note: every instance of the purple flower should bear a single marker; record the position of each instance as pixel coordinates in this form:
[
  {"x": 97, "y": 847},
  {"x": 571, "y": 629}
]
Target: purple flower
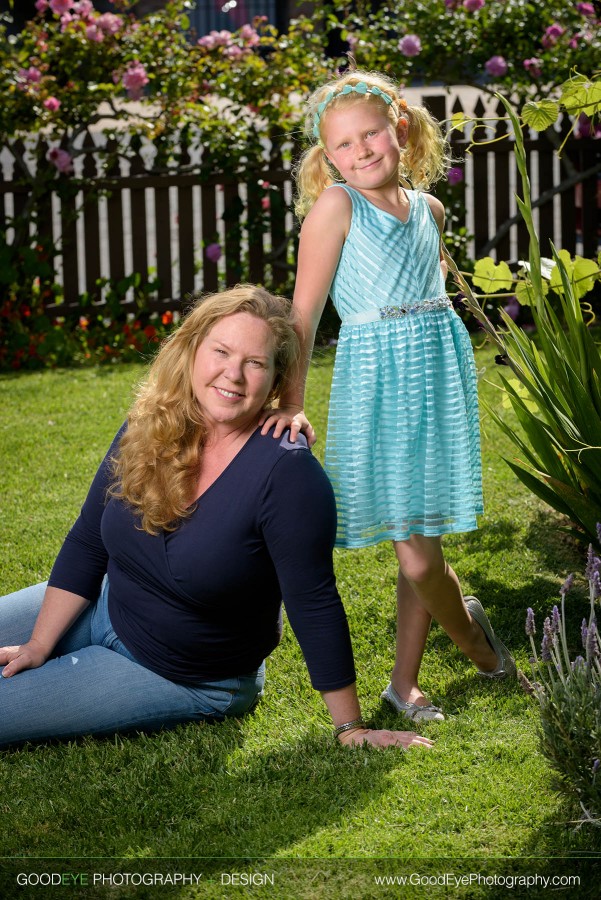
[
  {"x": 586, "y": 9},
  {"x": 592, "y": 641},
  {"x": 534, "y": 66},
  {"x": 473, "y": 5},
  {"x": 555, "y": 620},
  {"x": 593, "y": 564},
  {"x": 545, "y": 647},
  {"x": 596, "y": 585},
  {"x": 596, "y": 762},
  {"x": 455, "y": 175},
  {"x": 525, "y": 683},
  {"x": 599, "y": 531},
  {"x": 410, "y": 45},
  {"x": 213, "y": 252},
  {"x": 512, "y": 308},
  {"x": 584, "y": 632},
  {"x": 566, "y": 585},
  {"x": 579, "y": 661},
  {"x": 496, "y": 66},
  {"x": 530, "y": 624}
]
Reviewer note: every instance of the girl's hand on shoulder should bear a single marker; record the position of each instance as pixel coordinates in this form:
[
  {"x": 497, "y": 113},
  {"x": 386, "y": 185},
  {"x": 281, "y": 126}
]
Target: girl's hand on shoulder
[
  {"x": 26, "y": 656},
  {"x": 290, "y": 417},
  {"x": 384, "y": 738}
]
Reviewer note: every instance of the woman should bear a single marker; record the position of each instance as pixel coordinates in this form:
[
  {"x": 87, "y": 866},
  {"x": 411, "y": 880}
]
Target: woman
[{"x": 166, "y": 596}]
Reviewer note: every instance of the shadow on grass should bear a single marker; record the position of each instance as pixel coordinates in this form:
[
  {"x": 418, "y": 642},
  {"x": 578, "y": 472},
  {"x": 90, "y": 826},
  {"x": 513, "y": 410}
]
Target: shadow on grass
[{"x": 195, "y": 791}]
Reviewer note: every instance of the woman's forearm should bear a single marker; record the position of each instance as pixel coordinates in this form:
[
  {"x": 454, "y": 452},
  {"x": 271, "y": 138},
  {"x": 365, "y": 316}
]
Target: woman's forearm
[
  {"x": 343, "y": 704},
  {"x": 58, "y": 612}
]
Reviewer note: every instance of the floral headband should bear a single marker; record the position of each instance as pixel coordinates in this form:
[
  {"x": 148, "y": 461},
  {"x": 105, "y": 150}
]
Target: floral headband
[{"x": 360, "y": 88}]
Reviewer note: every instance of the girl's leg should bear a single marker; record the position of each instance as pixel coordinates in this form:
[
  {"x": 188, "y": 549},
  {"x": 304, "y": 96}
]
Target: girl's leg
[
  {"x": 437, "y": 588},
  {"x": 413, "y": 625}
]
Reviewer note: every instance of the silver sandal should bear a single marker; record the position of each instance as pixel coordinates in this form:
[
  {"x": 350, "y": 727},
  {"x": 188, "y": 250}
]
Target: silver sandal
[
  {"x": 413, "y": 711},
  {"x": 505, "y": 662}
]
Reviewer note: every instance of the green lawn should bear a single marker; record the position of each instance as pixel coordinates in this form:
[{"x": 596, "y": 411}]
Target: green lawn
[{"x": 272, "y": 796}]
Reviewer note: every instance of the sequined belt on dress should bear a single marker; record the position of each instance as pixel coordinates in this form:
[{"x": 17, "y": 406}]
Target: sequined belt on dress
[{"x": 398, "y": 312}]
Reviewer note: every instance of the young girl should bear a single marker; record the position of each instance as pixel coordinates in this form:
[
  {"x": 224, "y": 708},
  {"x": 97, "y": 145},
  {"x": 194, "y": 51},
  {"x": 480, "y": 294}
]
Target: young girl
[{"x": 402, "y": 447}]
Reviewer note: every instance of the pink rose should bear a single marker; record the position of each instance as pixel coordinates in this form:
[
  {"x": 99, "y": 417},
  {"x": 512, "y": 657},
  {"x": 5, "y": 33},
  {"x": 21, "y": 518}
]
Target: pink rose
[
  {"x": 234, "y": 52},
  {"x": 410, "y": 45},
  {"x": 94, "y": 33},
  {"x": 41, "y": 5},
  {"x": 496, "y": 66},
  {"x": 552, "y": 35},
  {"x": 534, "y": 66},
  {"x": 85, "y": 8},
  {"x": 249, "y": 35},
  {"x": 455, "y": 175},
  {"x": 586, "y": 9},
  {"x": 265, "y": 203},
  {"x": 208, "y": 41},
  {"x": 61, "y": 159},
  {"x": 31, "y": 75},
  {"x": 109, "y": 22},
  {"x": 52, "y": 104},
  {"x": 473, "y": 5},
  {"x": 134, "y": 80},
  {"x": 213, "y": 252},
  {"x": 60, "y": 7}
]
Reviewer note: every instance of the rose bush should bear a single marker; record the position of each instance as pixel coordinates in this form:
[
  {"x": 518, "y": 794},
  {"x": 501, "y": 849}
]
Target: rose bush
[
  {"x": 231, "y": 94},
  {"x": 519, "y": 46},
  {"x": 73, "y": 69}
]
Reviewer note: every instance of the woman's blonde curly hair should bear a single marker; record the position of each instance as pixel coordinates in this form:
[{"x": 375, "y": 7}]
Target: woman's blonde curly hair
[
  {"x": 157, "y": 463},
  {"x": 424, "y": 159}
]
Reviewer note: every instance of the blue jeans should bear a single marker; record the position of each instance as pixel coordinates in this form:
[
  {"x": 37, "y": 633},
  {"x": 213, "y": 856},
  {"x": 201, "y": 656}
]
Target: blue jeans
[{"x": 93, "y": 685}]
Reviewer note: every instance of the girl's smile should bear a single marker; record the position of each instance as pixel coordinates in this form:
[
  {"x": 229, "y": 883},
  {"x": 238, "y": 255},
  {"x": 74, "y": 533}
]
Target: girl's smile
[{"x": 363, "y": 144}]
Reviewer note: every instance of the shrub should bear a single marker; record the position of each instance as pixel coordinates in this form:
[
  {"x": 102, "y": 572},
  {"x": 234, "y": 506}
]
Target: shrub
[
  {"x": 569, "y": 694},
  {"x": 552, "y": 378}
]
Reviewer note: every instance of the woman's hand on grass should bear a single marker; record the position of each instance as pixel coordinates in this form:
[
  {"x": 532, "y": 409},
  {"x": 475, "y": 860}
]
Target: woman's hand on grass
[
  {"x": 383, "y": 738},
  {"x": 26, "y": 656}
]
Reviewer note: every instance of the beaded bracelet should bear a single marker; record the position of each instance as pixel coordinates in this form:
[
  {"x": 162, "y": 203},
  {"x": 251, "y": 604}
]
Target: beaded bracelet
[{"x": 356, "y": 723}]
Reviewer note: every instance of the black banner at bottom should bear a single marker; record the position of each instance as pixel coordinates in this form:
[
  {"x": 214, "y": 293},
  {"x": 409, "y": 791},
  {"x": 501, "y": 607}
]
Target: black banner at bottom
[{"x": 297, "y": 879}]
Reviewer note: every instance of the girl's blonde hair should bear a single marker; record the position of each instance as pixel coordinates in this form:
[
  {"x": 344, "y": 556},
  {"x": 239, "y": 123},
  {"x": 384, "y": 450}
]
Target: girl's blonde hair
[
  {"x": 424, "y": 159},
  {"x": 157, "y": 464}
]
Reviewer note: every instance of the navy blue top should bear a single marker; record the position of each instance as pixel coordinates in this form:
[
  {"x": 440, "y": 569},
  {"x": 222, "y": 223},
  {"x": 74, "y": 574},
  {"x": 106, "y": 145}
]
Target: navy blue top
[{"x": 204, "y": 602}]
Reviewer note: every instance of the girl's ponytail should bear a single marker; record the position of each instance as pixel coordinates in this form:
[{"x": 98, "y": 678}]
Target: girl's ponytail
[
  {"x": 425, "y": 158},
  {"x": 313, "y": 175}
]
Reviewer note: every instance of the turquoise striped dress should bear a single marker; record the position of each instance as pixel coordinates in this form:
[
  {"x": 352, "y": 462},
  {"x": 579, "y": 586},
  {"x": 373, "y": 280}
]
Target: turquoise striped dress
[{"x": 403, "y": 441}]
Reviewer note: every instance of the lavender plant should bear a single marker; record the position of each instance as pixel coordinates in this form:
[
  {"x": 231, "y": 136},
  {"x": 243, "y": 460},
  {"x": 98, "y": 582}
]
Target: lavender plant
[{"x": 569, "y": 694}]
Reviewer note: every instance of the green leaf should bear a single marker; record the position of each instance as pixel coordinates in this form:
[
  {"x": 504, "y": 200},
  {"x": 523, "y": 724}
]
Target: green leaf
[
  {"x": 459, "y": 120},
  {"x": 492, "y": 278},
  {"x": 540, "y": 114},
  {"x": 581, "y": 273}
]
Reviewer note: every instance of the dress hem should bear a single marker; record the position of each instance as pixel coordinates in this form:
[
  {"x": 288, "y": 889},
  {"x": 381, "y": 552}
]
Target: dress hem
[{"x": 391, "y": 536}]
